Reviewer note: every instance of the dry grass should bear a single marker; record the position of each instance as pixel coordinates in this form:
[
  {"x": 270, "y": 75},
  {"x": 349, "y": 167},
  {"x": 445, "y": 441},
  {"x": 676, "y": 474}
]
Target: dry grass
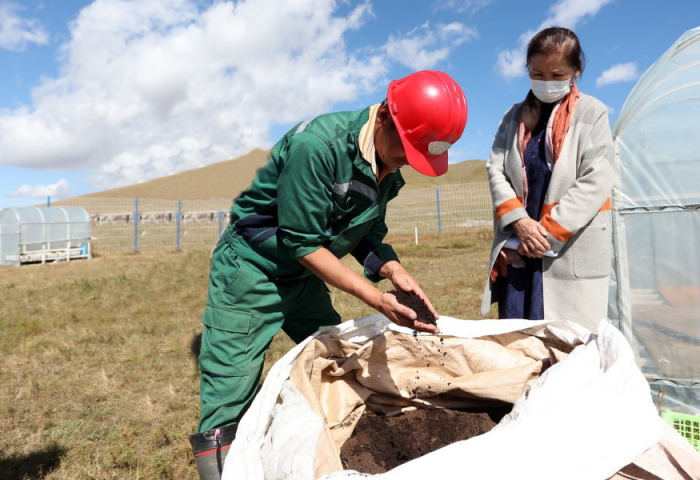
[{"x": 97, "y": 376}]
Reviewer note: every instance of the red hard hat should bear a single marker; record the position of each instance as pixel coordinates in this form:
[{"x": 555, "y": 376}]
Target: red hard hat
[{"x": 430, "y": 112}]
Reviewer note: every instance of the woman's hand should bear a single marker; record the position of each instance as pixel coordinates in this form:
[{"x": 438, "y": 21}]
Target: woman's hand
[
  {"x": 508, "y": 256},
  {"x": 533, "y": 237}
]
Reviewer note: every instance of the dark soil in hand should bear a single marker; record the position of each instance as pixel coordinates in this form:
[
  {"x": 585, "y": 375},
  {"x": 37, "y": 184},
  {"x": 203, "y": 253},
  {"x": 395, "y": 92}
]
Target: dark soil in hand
[
  {"x": 415, "y": 303},
  {"x": 381, "y": 443}
]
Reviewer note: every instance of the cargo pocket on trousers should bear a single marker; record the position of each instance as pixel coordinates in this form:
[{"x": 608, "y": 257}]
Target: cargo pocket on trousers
[
  {"x": 226, "y": 342},
  {"x": 592, "y": 252}
]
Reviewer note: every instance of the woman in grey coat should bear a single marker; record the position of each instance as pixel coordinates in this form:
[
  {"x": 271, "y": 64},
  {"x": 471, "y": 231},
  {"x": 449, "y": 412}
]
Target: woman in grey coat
[{"x": 551, "y": 174}]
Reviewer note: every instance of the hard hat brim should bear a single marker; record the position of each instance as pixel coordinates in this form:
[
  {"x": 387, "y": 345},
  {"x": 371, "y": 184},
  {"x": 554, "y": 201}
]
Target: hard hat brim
[{"x": 430, "y": 165}]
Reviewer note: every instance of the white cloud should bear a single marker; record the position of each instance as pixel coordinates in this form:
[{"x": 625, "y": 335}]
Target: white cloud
[
  {"x": 463, "y": 6},
  {"x": 58, "y": 189},
  {"x": 564, "y": 13},
  {"x": 611, "y": 110},
  {"x": 16, "y": 32},
  {"x": 622, "y": 72},
  {"x": 511, "y": 63},
  {"x": 149, "y": 88},
  {"x": 457, "y": 155},
  {"x": 423, "y": 47}
]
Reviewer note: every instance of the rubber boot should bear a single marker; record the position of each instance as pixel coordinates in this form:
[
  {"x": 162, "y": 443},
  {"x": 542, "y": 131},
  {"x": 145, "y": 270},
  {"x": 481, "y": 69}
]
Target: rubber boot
[{"x": 210, "y": 449}]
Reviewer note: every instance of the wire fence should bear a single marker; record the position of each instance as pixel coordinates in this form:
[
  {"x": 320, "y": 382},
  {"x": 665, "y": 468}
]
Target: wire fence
[
  {"x": 445, "y": 209},
  {"x": 122, "y": 225},
  {"x": 147, "y": 225}
]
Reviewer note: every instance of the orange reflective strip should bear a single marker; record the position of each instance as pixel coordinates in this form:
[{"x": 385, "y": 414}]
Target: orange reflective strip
[
  {"x": 508, "y": 206},
  {"x": 557, "y": 231},
  {"x": 547, "y": 209}
]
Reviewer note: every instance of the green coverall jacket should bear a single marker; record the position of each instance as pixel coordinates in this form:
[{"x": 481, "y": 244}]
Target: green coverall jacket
[{"x": 315, "y": 191}]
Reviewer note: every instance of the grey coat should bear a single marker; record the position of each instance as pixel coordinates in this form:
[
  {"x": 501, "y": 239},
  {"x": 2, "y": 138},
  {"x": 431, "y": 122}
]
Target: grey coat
[{"x": 576, "y": 212}]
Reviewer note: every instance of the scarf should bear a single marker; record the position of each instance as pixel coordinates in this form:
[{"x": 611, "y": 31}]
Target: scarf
[{"x": 557, "y": 127}]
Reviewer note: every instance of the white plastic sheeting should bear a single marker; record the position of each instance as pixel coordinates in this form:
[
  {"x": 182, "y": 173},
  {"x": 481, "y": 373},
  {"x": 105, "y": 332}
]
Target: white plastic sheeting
[
  {"x": 655, "y": 294},
  {"x": 40, "y": 234},
  {"x": 586, "y": 417}
]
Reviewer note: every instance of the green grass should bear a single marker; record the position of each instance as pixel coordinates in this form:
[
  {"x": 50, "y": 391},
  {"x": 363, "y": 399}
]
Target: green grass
[{"x": 97, "y": 375}]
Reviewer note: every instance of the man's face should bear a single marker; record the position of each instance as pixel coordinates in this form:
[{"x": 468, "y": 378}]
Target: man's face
[{"x": 387, "y": 141}]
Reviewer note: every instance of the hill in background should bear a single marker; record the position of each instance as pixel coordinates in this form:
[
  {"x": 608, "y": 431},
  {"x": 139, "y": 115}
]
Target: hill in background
[
  {"x": 467, "y": 171},
  {"x": 219, "y": 180},
  {"x": 228, "y": 178}
]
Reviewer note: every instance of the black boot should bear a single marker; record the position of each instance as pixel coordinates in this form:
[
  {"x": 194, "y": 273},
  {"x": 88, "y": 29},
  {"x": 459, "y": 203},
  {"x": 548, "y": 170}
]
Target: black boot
[{"x": 210, "y": 449}]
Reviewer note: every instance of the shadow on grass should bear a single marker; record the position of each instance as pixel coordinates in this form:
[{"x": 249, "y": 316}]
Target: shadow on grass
[
  {"x": 35, "y": 465},
  {"x": 196, "y": 346}
]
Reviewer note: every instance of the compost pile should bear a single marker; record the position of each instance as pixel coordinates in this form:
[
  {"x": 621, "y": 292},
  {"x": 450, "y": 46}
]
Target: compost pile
[
  {"x": 415, "y": 303},
  {"x": 380, "y": 443}
]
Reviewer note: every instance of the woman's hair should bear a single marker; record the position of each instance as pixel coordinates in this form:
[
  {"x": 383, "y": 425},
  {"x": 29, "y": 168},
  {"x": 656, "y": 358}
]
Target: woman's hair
[{"x": 558, "y": 40}]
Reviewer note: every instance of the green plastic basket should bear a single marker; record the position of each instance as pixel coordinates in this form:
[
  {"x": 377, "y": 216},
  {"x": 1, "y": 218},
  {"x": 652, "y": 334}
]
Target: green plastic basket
[{"x": 687, "y": 425}]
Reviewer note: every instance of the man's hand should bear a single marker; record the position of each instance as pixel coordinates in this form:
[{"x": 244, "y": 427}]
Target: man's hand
[
  {"x": 401, "y": 314},
  {"x": 402, "y": 280},
  {"x": 332, "y": 271},
  {"x": 533, "y": 237}
]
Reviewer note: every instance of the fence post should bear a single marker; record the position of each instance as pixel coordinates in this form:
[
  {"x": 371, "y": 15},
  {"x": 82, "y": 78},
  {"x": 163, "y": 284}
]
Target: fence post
[
  {"x": 136, "y": 225},
  {"x": 437, "y": 193},
  {"x": 48, "y": 201},
  {"x": 221, "y": 219},
  {"x": 179, "y": 216}
]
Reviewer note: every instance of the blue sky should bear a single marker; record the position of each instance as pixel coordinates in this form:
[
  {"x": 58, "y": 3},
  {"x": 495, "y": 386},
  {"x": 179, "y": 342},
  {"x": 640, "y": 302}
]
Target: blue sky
[{"x": 95, "y": 95}]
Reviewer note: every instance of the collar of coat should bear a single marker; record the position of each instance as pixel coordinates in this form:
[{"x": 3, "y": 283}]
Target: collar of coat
[{"x": 366, "y": 144}]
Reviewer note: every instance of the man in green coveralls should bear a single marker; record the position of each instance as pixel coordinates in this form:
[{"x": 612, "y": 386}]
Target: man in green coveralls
[{"x": 322, "y": 194}]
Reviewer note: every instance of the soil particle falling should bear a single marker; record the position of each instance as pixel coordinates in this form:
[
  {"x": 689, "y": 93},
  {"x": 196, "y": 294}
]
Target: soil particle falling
[
  {"x": 415, "y": 303},
  {"x": 381, "y": 443}
]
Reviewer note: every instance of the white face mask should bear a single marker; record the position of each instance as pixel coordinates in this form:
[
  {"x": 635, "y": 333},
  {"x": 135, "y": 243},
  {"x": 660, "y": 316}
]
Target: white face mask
[{"x": 550, "y": 91}]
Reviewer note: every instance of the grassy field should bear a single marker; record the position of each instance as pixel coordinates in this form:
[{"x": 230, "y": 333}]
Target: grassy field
[{"x": 97, "y": 375}]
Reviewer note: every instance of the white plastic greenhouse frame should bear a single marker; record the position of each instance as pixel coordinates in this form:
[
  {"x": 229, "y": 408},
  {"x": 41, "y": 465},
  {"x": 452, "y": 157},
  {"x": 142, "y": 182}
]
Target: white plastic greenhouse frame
[
  {"x": 44, "y": 234},
  {"x": 655, "y": 288}
]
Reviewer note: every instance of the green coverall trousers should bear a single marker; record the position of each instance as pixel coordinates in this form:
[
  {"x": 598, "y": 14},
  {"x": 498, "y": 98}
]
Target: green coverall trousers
[{"x": 244, "y": 311}]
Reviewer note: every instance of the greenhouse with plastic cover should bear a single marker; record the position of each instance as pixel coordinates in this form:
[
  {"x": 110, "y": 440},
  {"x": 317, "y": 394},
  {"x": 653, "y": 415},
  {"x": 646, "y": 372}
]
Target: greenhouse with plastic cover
[
  {"x": 655, "y": 293},
  {"x": 43, "y": 234}
]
